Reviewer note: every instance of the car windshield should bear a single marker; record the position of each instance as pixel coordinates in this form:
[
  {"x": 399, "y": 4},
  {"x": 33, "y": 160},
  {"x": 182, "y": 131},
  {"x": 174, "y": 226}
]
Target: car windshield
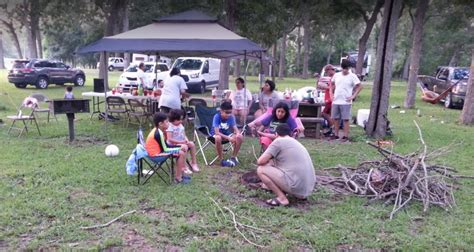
[
  {"x": 148, "y": 68},
  {"x": 132, "y": 69},
  {"x": 188, "y": 64},
  {"x": 461, "y": 73}
]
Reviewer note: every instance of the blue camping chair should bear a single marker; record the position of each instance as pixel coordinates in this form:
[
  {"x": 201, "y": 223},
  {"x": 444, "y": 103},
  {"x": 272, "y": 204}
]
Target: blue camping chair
[
  {"x": 164, "y": 169},
  {"x": 202, "y": 126}
]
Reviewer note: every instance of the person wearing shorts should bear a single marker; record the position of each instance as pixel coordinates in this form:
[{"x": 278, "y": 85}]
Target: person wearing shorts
[
  {"x": 346, "y": 87},
  {"x": 224, "y": 128},
  {"x": 286, "y": 168},
  {"x": 326, "y": 113}
]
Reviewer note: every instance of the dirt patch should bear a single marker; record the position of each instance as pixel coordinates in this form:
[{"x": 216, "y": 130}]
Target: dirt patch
[
  {"x": 193, "y": 218},
  {"x": 24, "y": 241},
  {"x": 77, "y": 194},
  {"x": 85, "y": 141},
  {"x": 137, "y": 242},
  {"x": 231, "y": 183},
  {"x": 156, "y": 213}
]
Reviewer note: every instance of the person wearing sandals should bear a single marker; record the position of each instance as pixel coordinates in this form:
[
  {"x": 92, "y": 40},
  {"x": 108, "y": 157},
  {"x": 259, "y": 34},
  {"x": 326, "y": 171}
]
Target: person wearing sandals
[
  {"x": 158, "y": 150},
  {"x": 176, "y": 135},
  {"x": 286, "y": 168},
  {"x": 224, "y": 128}
]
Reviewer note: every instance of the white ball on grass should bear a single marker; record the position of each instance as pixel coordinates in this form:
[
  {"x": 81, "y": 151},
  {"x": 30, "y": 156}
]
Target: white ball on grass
[{"x": 111, "y": 150}]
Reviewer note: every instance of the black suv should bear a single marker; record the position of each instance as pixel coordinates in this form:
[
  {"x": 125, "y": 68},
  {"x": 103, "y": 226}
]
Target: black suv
[{"x": 41, "y": 73}]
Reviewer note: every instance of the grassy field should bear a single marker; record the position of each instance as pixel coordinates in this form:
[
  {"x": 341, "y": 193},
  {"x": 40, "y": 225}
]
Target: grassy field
[{"x": 49, "y": 189}]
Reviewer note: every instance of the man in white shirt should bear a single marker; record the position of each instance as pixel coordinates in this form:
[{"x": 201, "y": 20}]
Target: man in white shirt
[
  {"x": 141, "y": 75},
  {"x": 346, "y": 87},
  {"x": 174, "y": 87}
]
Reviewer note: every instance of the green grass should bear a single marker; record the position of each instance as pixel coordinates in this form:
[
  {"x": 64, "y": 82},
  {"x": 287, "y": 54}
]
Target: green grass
[{"x": 49, "y": 189}]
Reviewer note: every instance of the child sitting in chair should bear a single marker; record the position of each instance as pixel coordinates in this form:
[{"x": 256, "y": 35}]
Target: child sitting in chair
[
  {"x": 158, "y": 150},
  {"x": 224, "y": 128},
  {"x": 176, "y": 135}
]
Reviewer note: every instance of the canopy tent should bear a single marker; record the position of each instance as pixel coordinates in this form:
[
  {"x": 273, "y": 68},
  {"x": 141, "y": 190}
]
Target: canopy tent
[{"x": 190, "y": 33}]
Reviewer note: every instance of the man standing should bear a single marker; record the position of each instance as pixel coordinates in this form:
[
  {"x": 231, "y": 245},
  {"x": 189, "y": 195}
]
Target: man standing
[
  {"x": 141, "y": 77},
  {"x": 291, "y": 171},
  {"x": 324, "y": 84},
  {"x": 343, "y": 86}
]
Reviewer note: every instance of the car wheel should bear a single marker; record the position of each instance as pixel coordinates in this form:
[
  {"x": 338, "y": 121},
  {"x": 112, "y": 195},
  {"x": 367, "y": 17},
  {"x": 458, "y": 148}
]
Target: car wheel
[
  {"x": 448, "y": 101},
  {"x": 202, "y": 87},
  {"x": 79, "y": 80},
  {"x": 21, "y": 85},
  {"x": 42, "y": 83},
  {"x": 111, "y": 68}
]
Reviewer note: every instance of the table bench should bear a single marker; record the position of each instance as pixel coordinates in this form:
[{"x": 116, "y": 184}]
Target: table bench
[{"x": 310, "y": 114}]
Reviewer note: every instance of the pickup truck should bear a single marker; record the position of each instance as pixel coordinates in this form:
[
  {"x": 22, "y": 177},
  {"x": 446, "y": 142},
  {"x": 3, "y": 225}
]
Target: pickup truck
[{"x": 443, "y": 79}]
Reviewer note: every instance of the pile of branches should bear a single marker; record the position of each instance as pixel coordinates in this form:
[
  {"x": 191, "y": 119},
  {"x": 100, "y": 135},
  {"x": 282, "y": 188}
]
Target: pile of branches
[{"x": 397, "y": 179}]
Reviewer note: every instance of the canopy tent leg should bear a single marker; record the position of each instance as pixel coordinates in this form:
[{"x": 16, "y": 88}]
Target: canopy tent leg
[{"x": 104, "y": 68}]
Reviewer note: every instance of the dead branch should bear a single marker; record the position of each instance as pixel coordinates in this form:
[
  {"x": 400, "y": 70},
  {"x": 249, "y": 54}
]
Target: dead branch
[
  {"x": 108, "y": 223},
  {"x": 396, "y": 179},
  {"x": 238, "y": 224}
]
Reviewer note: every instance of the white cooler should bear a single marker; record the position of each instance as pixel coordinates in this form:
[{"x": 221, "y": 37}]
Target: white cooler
[{"x": 362, "y": 116}]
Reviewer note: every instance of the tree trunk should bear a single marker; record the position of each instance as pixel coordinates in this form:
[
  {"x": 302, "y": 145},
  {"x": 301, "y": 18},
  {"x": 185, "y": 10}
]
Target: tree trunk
[
  {"x": 125, "y": 27},
  {"x": 32, "y": 21},
  {"x": 467, "y": 114},
  {"x": 328, "y": 58},
  {"x": 298, "y": 53},
  {"x": 2, "y": 63},
  {"x": 39, "y": 43},
  {"x": 406, "y": 67},
  {"x": 231, "y": 10},
  {"x": 12, "y": 31},
  {"x": 282, "y": 65},
  {"x": 237, "y": 68},
  {"x": 455, "y": 58},
  {"x": 306, "y": 36},
  {"x": 112, "y": 21},
  {"x": 378, "y": 122},
  {"x": 369, "y": 24},
  {"x": 415, "y": 53}
]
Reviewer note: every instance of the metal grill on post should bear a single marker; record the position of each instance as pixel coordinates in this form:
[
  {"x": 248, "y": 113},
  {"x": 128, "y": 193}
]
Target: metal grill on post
[{"x": 70, "y": 107}]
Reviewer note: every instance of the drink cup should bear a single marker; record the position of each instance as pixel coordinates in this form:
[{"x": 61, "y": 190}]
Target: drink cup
[{"x": 113, "y": 91}]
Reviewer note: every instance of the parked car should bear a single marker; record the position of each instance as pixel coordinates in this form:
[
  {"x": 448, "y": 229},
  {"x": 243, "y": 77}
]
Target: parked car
[
  {"x": 128, "y": 79},
  {"x": 42, "y": 72},
  {"x": 114, "y": 63},
  {"x": 200, "y": 74},
  {"x": 445, "y": 77}
]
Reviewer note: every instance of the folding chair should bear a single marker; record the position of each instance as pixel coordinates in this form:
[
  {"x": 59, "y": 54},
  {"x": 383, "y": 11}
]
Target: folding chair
[
  {"x": 138, "y": 110},
  {"x": 26, "y": 113},
  {"x": 41, "y": 98},
  {"x": 164, "y": 169},
  {"x": 202, "y": 126},
  {"x": 117, "y": 105},
  {"x": 190, "y": 111}
]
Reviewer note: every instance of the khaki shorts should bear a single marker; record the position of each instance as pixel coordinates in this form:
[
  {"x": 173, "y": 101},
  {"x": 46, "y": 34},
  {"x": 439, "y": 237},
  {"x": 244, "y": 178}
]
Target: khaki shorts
[
  {"x": 341, "y": 111},
  {"x": 279, "y": 178}
]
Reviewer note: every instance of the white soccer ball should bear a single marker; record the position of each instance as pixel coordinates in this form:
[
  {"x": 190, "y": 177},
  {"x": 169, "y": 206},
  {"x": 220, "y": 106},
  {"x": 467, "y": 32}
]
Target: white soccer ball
[{"x": 111, "y": 150}]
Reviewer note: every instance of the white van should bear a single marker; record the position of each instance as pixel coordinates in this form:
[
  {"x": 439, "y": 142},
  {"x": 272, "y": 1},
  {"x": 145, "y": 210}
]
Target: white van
[{"x": 199, "y": 73}]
